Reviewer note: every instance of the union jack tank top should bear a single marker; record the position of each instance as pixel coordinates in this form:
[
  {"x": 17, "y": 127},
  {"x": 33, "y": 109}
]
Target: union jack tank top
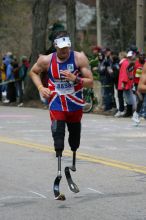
[{"x": 65, "y": 95}]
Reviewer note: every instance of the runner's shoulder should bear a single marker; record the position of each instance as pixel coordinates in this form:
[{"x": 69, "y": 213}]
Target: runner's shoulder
[
  {"x": 44, "y": 59},
  {"x": 80, "y": 58}
]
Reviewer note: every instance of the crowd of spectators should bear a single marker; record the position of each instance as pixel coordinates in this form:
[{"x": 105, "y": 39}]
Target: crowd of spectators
[
  {"x": 119, "y": 75},
  {"x": 12, "y": 76}
]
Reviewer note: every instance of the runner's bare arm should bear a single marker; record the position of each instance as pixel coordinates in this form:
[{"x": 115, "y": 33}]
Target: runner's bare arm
[
  {"x": 83, "y": 63},
  {"x": 142, "y": 81},
  {"x": 40, "y": 66}
]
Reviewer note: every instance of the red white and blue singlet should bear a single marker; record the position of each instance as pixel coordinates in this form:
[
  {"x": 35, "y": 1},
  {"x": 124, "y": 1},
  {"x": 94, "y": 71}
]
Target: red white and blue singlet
[{"x": 65, "y": 95}]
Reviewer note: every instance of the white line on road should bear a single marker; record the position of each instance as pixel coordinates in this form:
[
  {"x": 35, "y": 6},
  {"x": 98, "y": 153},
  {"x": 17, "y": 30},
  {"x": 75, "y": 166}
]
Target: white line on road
[
  {"x": 96, "y": 191},
  {"x": 40, "y": 195}
]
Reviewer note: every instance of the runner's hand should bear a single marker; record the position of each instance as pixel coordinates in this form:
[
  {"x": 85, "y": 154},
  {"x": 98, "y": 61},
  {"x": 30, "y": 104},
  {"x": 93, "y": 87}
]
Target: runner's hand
[
  {"x": 68, "y": 75},
  {"x": 45, "y": 92}
]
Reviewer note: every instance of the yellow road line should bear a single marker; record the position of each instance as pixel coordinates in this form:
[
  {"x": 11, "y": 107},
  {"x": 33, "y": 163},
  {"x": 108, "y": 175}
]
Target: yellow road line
[{"x": 81, "y": 156}]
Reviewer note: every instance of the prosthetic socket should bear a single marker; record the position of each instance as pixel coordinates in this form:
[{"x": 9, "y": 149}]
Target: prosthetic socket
[{"x": 58, "y": 133}]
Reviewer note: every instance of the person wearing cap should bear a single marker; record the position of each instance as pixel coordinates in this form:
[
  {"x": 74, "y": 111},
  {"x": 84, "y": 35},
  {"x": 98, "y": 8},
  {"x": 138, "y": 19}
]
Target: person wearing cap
[
  {"x": 68, "y": 72},
  {"x": 125, "y": 82}
]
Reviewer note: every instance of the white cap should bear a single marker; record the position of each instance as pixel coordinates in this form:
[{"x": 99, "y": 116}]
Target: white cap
[
  {"x": 130, "y": 54},
  {"x": 62, "y": 42}
]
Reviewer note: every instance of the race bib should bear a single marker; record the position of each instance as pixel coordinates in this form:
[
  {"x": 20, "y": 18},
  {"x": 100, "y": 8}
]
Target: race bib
[{"x": 64, "y": 87}]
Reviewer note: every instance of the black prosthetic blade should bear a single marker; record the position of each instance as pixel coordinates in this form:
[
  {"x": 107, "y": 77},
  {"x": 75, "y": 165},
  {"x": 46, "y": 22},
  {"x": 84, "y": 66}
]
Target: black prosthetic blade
[
  {"x": 58, "y": 195},
  {"x": 73, "y": 187}
]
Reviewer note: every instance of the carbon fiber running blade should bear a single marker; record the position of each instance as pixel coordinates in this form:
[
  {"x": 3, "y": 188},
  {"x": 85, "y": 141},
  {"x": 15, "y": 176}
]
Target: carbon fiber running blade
[
  {"x": 58, "y": 195},
  {"x": 73, "y": 187}
]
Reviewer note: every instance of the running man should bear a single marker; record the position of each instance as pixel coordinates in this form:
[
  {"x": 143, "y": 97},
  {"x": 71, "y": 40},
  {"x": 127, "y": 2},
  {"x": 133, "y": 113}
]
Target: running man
[
  {"x": 68, "y": 72},
  {"x": 138, "y": 67},
  {"x": 142, "y": 81}
]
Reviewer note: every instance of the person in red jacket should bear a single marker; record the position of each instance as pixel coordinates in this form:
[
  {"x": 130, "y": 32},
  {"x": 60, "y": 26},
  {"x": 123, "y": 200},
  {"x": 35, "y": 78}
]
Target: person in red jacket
[{"x": 125, "y": 82}]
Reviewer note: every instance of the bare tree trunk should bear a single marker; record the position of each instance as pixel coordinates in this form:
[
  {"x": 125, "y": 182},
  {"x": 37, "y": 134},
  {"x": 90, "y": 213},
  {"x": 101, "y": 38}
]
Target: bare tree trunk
[
  {"x": 140, "y": 24},
  {"x": 71, "y": 20},
  {"x": 39, "y": 24}
]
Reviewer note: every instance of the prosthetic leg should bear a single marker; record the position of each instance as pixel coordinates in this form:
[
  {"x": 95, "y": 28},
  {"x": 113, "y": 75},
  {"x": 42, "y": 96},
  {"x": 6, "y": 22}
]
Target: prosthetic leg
[
  {"x": 73, "y": 187},
  {"x": 58, "y": 195},
  {"x": 74, "y": 142},
  {"x": 58, "y": 133}
]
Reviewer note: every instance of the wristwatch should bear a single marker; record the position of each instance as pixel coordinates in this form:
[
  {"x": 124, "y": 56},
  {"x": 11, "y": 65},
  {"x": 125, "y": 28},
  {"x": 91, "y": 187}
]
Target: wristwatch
[{"x": 78, "y": 80}]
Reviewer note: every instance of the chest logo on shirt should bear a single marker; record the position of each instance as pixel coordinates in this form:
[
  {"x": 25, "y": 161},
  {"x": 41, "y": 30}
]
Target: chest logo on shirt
[{"x": 70, "y": 67}]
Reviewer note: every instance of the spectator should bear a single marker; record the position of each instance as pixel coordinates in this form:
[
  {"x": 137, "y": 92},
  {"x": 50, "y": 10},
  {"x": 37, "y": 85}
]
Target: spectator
[
  {"x": 105, "y": 73},
  {"x": 125, "y": 83},
  {"x": 11, "y": 89},
  {"x": 115, "y": 75},
  {"x": 93, "y": 61},
  {"x": 22, "y": 73},
  {"x": 3, "y": 79},
  {"x": 121, "y": 108},
  {"x": 6, "y": 61}
]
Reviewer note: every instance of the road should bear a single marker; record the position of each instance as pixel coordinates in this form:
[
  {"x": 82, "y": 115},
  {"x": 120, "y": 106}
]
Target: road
[{"x": 111, "y": 169}]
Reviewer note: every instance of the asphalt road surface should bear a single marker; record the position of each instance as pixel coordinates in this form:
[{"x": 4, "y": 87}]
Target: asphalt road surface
[{"x": 111, "y": 169}]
